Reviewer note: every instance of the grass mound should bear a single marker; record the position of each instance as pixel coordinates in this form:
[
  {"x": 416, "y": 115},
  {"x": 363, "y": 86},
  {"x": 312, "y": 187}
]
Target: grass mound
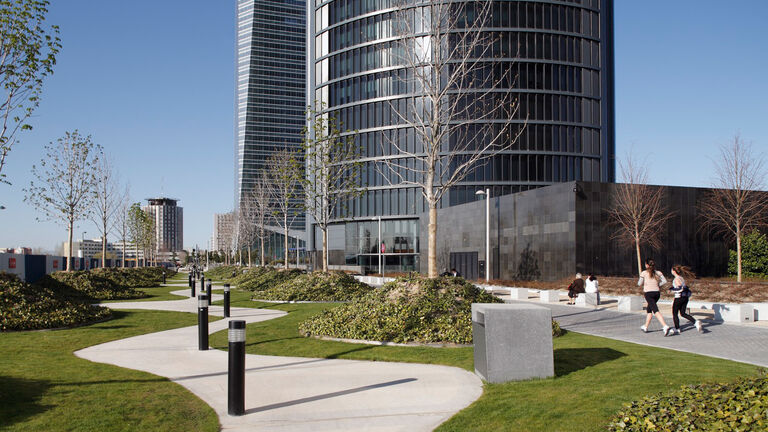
[
  {"x": 31, "y": 307},
  {"x": 317, "y": 286},
  {"x": 222, "y": 272},
  {"x": 409, "y": 309},
  {"x": 738, "y": 406},
  {"x": 87, "y": 286},
  {"x": 263, "y": 278}
]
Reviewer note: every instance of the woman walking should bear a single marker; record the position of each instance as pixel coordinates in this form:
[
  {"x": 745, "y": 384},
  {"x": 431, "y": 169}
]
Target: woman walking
[
  {"x": 651, "y": 279},
  {"x": 682, "y": 295}
]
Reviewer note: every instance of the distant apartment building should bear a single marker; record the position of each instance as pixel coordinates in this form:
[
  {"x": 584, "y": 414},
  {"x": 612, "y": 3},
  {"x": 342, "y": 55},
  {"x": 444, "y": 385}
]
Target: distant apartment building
[
  {"x": 223, "y": 228},
  {"x": 169, "y": 223},
  {"x": 92, "y": 249}
]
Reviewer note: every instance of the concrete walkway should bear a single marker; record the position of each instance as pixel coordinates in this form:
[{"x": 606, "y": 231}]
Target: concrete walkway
[
  {"x": 748, "y": 344},
  {"x": 291, "y": 393}
]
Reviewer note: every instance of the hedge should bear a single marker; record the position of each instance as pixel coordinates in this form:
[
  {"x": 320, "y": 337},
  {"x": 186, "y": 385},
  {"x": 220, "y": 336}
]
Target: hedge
[
  {"x": 30, "y": 307},
  {"x": 263, "y": 278},
  {"x": 87, "y": 286},
  {"x": 738, "y": 406},
  {"x": 316, "y": 286}
]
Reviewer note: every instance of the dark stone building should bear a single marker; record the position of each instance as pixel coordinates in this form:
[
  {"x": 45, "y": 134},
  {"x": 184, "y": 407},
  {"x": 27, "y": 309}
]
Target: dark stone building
[{"x": 555, "y": 231}]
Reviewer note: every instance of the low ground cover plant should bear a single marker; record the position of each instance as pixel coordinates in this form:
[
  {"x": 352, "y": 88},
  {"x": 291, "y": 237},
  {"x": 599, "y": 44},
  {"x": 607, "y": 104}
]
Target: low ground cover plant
[
  {"x": 316, "y": 286},
  {"x": 409, "y": 309},
  {"x": 95, "y": 285},
  {"x": 30, "y": 307},
  {"x": 262, "y": 278},
  {"x": 223, "y": 272},
  {"x": 738, "y": 406}
]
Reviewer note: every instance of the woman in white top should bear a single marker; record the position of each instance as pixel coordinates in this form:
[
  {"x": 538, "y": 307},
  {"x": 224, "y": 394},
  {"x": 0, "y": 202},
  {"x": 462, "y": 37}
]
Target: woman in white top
[
  {"x": 682, "y": 294},
  {"x": 651, "y": 279},
  {"x": 591, "y": 286}
]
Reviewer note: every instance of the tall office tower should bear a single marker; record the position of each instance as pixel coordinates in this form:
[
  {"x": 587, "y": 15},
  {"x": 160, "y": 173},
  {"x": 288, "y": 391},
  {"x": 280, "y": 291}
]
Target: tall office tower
[
  {"x": 223, "y": 230},
  {"x": 169, "y": 223},
  {"x": 560, "y": 54},
  {"x": 271, "y": 86}
]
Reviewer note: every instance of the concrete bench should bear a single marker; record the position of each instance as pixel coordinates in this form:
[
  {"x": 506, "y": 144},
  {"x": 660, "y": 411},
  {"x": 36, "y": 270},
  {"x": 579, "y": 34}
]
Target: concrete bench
[
  {"x": 630, "y": 303},
  {"x": 586, "y": 299},
  {"x": 518, "y": 293},
  {"x": 512, "y": 341},
  {"x": 735, "y": 313},
  {"x": 549, "y": 296}
]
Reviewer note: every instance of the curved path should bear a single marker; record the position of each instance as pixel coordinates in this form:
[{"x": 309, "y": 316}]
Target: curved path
[{"x": 292, "y": 393}]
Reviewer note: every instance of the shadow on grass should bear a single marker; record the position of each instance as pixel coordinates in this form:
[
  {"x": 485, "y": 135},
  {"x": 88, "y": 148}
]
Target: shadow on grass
[
  {"x": 339, "y": 354},
  {"x": 20, "y": 399},
  {"x": 569, "y": 360},
  {"x": 102, "y": 382}
]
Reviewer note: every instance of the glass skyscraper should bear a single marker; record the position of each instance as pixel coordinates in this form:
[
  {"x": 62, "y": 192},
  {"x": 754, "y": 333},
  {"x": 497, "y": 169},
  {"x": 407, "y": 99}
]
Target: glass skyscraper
[
  {"x": 271, "y": 86},
  {"x": 560, "y": 54}
]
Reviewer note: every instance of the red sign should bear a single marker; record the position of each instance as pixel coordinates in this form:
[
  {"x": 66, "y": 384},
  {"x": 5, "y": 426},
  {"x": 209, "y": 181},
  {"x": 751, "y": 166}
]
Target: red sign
[
  {"x": 11, "y": 262},
  {"x": 383, "y": 247},
  {"x": 55, "y": 264}
]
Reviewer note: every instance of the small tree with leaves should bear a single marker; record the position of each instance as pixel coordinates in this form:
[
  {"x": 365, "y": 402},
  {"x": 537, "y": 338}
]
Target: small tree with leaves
[
  {"x": 736, "y": 206},
  {"x": 141, "y": 228},
  {"x": 28, "y": 49},
  {"x": 66, "y": 182},
  {"x": 638, "y": 209},
  {"x": 333, "y": 171},
  {"x": 121, "y": 220}
]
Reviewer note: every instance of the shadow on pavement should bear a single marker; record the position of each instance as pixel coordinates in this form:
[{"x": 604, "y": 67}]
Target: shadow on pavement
[
  {"x": 328, "y": 395},
  {"x": 569, "y": 360}
]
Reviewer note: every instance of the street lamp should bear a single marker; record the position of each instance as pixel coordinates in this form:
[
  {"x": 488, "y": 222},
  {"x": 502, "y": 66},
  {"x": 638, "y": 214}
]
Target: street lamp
[{"x": 487, "y": 194}]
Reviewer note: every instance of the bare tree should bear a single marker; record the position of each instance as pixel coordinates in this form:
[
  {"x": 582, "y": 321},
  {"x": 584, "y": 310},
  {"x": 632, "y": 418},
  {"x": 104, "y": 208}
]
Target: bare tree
[
  {"x": 246, "y": 225},
  {"x": 463, "y": 112},
  {"x": 333, "y": 171},
  {"x": 123, "y": 205},
  {"x": 67, "y": 176},
  {"x": 284, "y": 173},
  {"x": 735, "y": 206},
  {"x": 638, "y": 209},
  {"x": 28, "y": 51},
  {"x": 105, "y": 201},
  {"x": 260, "y": 198}
]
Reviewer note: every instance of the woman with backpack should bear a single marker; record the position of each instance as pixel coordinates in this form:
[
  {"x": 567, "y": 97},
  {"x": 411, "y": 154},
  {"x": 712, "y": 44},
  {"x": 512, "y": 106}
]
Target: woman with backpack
[{"x": 682, "y": 295}]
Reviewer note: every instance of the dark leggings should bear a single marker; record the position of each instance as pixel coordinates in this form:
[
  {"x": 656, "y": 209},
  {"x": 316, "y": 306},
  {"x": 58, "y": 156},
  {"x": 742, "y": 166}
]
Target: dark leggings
[
  {"x": 679, "y": 306},
  {"x": 651, "y": 297}
]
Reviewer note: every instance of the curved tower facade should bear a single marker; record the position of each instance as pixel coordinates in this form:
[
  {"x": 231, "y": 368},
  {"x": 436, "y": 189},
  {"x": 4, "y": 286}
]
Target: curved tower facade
[{"x": 559, "y": 55}]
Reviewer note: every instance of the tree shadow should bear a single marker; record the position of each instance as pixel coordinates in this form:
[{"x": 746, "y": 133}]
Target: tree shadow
[
  {"x": 528, "y": 268},
  {"x": 357, "y": 349},
  {"x": 569, "y": 360},
  {"x": 20, "y": 399}
]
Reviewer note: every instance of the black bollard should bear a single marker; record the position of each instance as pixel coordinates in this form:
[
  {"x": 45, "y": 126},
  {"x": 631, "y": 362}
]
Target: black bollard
[
  {"x": 202, "y": 322},
  {"x": 202, "y": 283},
  {"x": 226, "y": 300},
  {"x": 208, "y": 290},
  {"x": 236, "y": 393},
  {"x": 163, "y": 277},
  {"x": 190, "y": 280},
  {"x": 192, "y": 287}
]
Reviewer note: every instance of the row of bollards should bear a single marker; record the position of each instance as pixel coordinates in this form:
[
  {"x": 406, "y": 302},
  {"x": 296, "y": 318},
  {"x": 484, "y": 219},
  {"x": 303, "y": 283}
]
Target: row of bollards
[{"x": 236, "y": 336}]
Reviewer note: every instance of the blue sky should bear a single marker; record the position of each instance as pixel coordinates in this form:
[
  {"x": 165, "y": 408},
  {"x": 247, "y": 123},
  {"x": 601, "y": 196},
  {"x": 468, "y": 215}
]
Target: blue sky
[{"x": 153, "y": 82}]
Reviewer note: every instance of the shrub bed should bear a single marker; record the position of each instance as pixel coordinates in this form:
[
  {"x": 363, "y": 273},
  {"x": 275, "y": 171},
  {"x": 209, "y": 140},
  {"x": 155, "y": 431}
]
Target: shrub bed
[
  {"x": 31, "y": 307},
  {"x": 739, "y": 406},
  {"x": 409, "y": 309},
  {"x": 141, "y": 277},
  {"x": 93, "y": 285},
  {"x": 317, "y": 286},
  {"x": 222, "y": 272},
  {"x": 263, "y": 278}
]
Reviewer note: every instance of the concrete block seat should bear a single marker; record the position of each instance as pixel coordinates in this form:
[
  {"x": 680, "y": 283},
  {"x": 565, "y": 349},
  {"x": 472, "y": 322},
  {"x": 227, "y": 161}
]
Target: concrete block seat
[
  {"x": 518, "y": 293},
  {"x": 630, "y": 303},
  {"x": 549, "y": 296},
  {"x": 586, "y": 299}
]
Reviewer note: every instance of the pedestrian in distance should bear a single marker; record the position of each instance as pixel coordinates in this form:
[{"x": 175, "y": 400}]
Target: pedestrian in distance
[
  {"x": 682, "y": 294},
  {"x": 651, "y": 280},
  {"x": 575, "y": 288},
  {"x": 591, "y": 286},
  {"x": 455, "y": 273}
]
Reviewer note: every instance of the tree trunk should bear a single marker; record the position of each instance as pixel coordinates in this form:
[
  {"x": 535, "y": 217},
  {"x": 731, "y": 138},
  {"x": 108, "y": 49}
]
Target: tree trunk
[
  {"x": 285, "y": 221},
  {"x": 261, "y": 261},
  {"x": 249, "y": 257},
  {"x": 123, "y": 252},
  {"x": 738, "y": 253},
  {"x": 432, "y": 241},
  {"x": 637, "y": 250},
  {"x": 325, "y": 250},
  {"x": 104, "y": 249},
  {"x": 69, "y": 249}
]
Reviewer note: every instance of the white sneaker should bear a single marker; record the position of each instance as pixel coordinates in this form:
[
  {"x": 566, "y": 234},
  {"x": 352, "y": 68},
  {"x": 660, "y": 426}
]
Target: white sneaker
[
  {"x": 676, "y": 331},
  {"x": 666, "y": 330},
  {"x": 644, "y": 329},
  {"x": 698, "y": 326}
]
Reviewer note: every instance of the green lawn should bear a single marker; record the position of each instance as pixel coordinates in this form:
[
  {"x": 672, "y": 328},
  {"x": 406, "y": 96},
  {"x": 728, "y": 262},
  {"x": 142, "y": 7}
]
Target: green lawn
[
  {"x": 44, "y": 387},
  {"x": 594, "y": 376}
]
